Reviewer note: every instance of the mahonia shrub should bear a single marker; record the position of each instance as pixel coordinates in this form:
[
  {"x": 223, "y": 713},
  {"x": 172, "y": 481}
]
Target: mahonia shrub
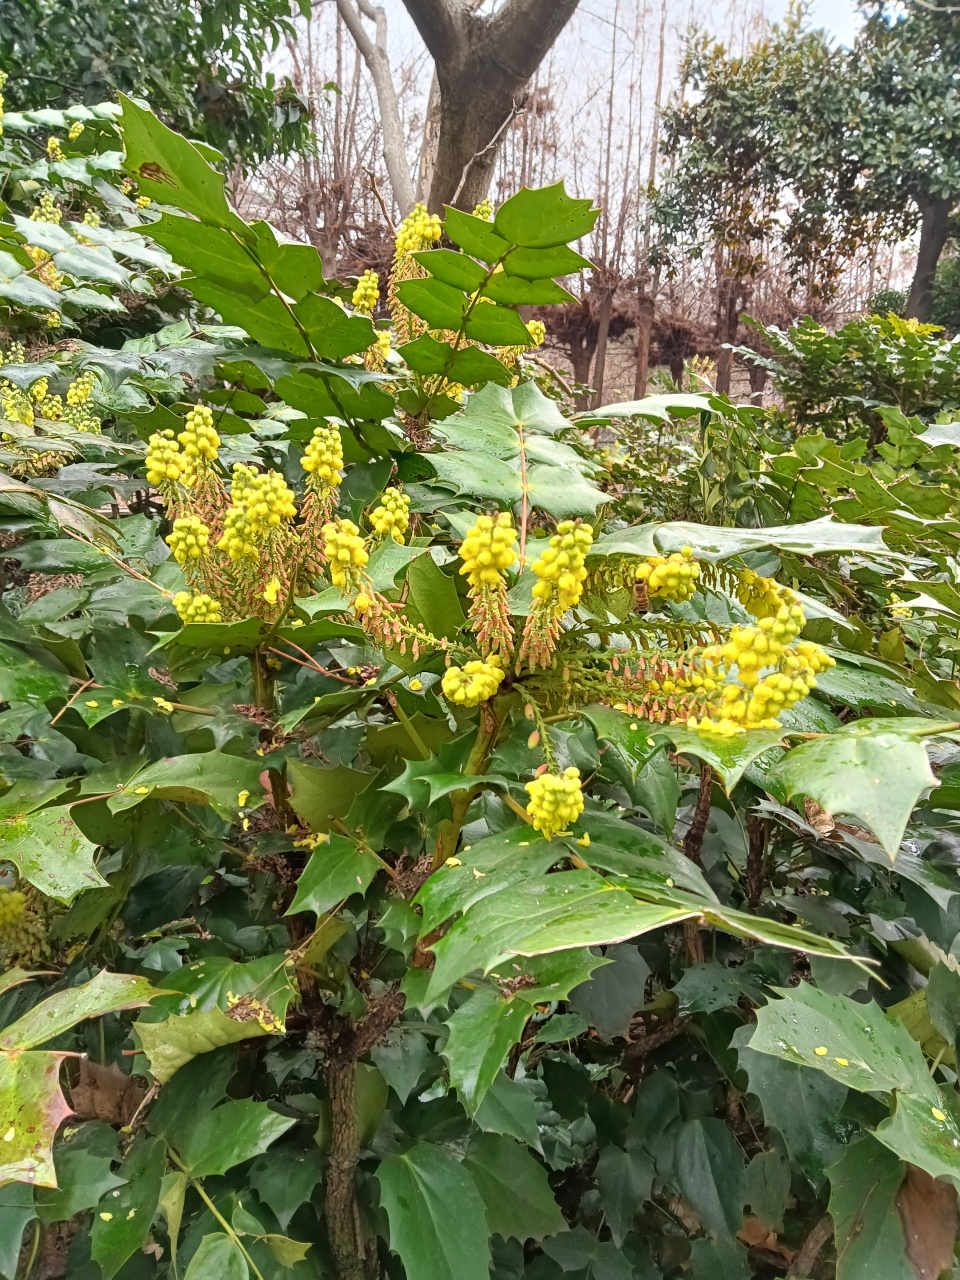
[{"x": 411, "y": 867}]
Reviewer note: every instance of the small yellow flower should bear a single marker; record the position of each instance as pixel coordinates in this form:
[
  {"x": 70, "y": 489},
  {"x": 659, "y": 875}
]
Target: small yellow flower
[
  {"x": 416, "y": 686},
  {"x": 242, "y": 798},
  {"x": 584, "y": 841},
  {"x": 246, "y": 824}
]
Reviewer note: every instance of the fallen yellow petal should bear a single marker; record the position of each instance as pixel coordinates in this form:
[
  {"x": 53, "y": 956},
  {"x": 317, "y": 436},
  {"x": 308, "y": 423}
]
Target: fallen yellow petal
[{"x": 821, "y": 1052}]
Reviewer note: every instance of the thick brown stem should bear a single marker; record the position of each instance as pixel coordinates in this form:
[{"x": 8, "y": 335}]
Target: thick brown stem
[
  {"x": 262, "y": 680},
  {"x": 603, "y": 331},
  {"x": 934, "y": 230},
  {"x": 693, "y": 840},
  {"x": 344, "y": 1153},
  {"x": 756, "y": 850}
]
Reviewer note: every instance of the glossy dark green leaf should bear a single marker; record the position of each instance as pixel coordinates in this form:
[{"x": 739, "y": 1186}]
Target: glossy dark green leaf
[
  {"x": 268, "y": 322},
  {"x": 874, "y": 776},
  {"x": 482, "y": 1032},
  {"x": 284, "y": 1179},
  {"x": 441, "y": 305},
  {"x": 863, "y": 1204},
  {"x": 83, "y": 1161},
  {"x": 496, "y": 326},
  {"x": 333, "y": 334},
  {"x": 625, "y": 1180},
  {"x": 218, "y": 1256},
  {"x": 613, "y": 995},
  {"x": 320, "y": 795},
  {"x": 337, "y": 869},
  {"x": 229, "y": 1134},
  {"x": 16, "y": 1211},
  {"x": 437, "y": 1217},
  {"x": 124, "y": 1216},
  {"x": 514, "y": 1188},
  {"x": 469, "y": 366},
  {"x": 569, "y": 909},
  {"x": 943, "y": 1000},
  {"x": 511, "y": 1108},
  {"x": 456, "y": 269},
  {"x": 171, "y": 1043},
  {"x": 709, "y": 1170},
  {"x": 50, "y": 851},
  {"x": 475, "y": 235},
  {"x": 515, "y": 291},
  {"x": 538, "y": 264},
  {"x": 105, "y": 993},
  {"x": 171, "y": 170},
  {"x": 205, "y": 778},
  {"x": 543, "y": 218}
]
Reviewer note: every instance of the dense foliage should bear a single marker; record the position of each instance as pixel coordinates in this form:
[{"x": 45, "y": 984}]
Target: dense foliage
[{"x": 410, "y": 865}]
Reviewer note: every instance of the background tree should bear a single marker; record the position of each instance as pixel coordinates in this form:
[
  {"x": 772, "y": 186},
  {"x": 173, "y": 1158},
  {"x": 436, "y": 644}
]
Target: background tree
[{"x": 202, "y": 69}]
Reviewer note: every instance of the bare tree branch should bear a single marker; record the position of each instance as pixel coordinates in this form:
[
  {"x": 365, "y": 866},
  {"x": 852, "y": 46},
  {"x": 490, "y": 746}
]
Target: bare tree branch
[
  {"x": 442, "y": 26},
  {"x": 524, "y": 31},
  {"x": 374, "y": 54}
]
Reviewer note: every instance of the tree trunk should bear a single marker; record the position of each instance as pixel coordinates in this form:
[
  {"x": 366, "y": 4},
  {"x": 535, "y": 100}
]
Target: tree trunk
[
  {"x": 934, "y": 230},
  {"x": 758, "y": 380},
  {"x": 340, "y": 1206},
  {"x": 644, "y": 332},
  {"x": 603, "y": 332},
  {"x": 483, "y": 67},
  {"x": 726, "y": 331}
]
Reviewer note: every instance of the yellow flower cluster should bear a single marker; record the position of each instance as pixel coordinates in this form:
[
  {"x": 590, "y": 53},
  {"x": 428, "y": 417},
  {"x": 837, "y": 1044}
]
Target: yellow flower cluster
[
  {"x": 196, "y": 608},
  {"x": 367, "y": 293},
  {"x": 473, "y": 683},
  {"x": 163, "y": 457},
  {"x": 755, "y": 700},
  {"x": 46, "y": 209},
  {"x": 489, "y": 549},
  {"x": 256, "y": 1011},
  {"x": 323, "y": 456},
  {"x": 50, "y": 276},
  {"x": 91, "y": 218},
  {"x": 237, "y": 540},
  {"x": 392, "y": 517},
  {"x": 556, "y": 801},
  {"x": 264, "y": 497},
  {"x": 537, "y": 331},
  {"x": 39, "y": 390},
  {"x": 54, "y": 150},
  {"x": 763, "y": 597},
  {"x": 15, "y": 405},
  {"x": 672, "y": 577},
  {"x": 561, "y": 569},
  {"x": 81, "y": 389},
  {"x": 144, "y": 202},
  {"x": 199, "y": 439},
  {"x": 419, "y": 230},
  {"x": 484, "y": 210},
  {"x": 74, "y": 133},
  {"x": 383, "y": 343},
  {"x": 189, "y": 539},
  {"x": 39, "y": 256},
  {"x": 344, "y": 550},
  {"x": 12, "y": 906}
]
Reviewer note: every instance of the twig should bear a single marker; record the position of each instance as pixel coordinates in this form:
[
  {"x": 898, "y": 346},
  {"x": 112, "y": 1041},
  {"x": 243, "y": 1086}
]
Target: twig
[
  {"x": 315, "y": 666},
  {"x": 803, "y": 1263},
  {"x": 73, "y": 699},
  {"x": 554, "y": 373},
  {"x": 383, "y": 208}
]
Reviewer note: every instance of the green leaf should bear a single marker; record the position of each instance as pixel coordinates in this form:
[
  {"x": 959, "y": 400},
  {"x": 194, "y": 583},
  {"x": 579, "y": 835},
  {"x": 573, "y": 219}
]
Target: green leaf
[
  {"x": 50, "y": 851},
  {"x": 106, "y": 993},
  {"x": 865, "y": 1048},
  {"x": 23, "y": 679},
  {"x": 218, "y": 1256},
  {"x": 286, "y": 1251},
  {"x": 32, "y": 1108},
  {"x": 173, "y": 1042},
  {"x": 509, "y": 1107},
  {"x": 171, "y": 170},
  {"x": 544, "y": 218},
  {"x": 320, "y": 795},
  {"x": 124, "y": 1217},
  {"x": 864, "y": 1185},
  {"x": 401, "y": 1057},
  {"x": 613, "y": 995},
  {"x": 333, "y": 334},
  {"x": 229, "y": 1134},
  {"x": 625, "y": 1180},
  {"x": 337, "y": 869},
  {"x": 482, "y": 1032},
  {"x": 917, "y": 1134},
  {"x": 709, "y": 1171},
  {"x": 437, "y": 1218},
  {"x": 496, "y": 326},
  {"x": 713, "y": 542},
  {"x": 83, "y": 1162},
  {"x": 513, "y": 290},
  {"x": 869, "y": 774},
  {"x": 514, "y": 1188},
  {"x": 16, "y": 1210},
  {"x": 284, "y": 1179},
  {"x": 456, "y": 269},
  {"x": 441, "y": 305},
  {"x": 474, "y": 235},
  {"x": 804, "y": 1106},
  {"x": 469, "y": 366},
  {"x": 943, "y": 1000},
  {"x": 568, "y": 909},
  {"x": 206, "y": 778}
]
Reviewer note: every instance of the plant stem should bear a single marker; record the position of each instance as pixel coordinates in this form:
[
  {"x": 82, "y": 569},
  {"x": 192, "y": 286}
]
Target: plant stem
[
  {"x": 342, "y": 1160},
  {"x": 262, "y": 681},
  {"x": 198, "y": 1187},
  {"x": 448, "y": 833}
]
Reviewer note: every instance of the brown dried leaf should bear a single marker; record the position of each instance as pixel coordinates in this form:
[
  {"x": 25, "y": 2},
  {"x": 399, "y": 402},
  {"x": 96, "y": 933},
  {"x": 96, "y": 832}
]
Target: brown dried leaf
[
  {"x": 105, "y": 1093},
  {"x": 755, "y": 1236},
  {"x": 818, "y": 818},
  {"x": 928, "y": 1209}
]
